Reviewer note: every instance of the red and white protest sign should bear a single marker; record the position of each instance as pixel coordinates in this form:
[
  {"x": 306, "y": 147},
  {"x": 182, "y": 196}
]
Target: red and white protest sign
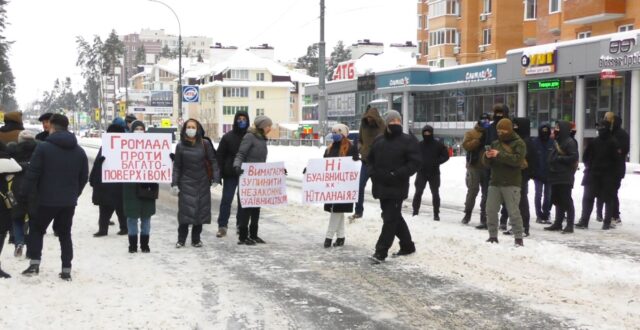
[
  {"x": 331, "y": 180},
  {"x": 136, "y": 157},
  {"x": 263, "y": 184}
]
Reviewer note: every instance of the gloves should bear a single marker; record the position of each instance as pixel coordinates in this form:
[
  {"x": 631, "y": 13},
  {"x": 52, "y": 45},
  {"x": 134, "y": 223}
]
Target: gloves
[
  {"x": 214, "y": 184},
  {"x": 101, "y": 159},
  {"x": 285, "y": 172},
  {"x": 356, "y": 158},
  {"x": 172, "y": 156},
  {"x": 175, "y": 190},
  {"x": 238, "y": 170},
  {"x": 304, "y": 171}
]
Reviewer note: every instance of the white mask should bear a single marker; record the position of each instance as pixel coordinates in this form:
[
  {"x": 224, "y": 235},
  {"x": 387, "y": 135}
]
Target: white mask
[{"x": 191, "y": 132}]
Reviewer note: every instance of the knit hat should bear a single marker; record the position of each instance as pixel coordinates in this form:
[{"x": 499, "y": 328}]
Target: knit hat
[
  {"x": 392, "y": 115},
  {"x": 341, "y": 128},
  {"x": 130, "y": 118},
  {"x": 262, "y": 122},
  {"x": 25, "y": 135},
  {"x": 115, "y": 128},
  {"x": 45, "y": 116},
  {"x": 505, "y": 125},
  {"x": 59, "y": 120},
  {"x": 136, "y": 124}
]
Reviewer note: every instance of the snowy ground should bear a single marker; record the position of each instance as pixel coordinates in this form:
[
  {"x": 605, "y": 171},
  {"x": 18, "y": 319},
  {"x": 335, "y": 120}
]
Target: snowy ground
[{"x": 587, "y": 280}]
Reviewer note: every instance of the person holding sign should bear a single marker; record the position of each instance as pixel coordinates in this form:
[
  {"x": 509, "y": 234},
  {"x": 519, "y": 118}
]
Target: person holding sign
[
  {"x": 253, "y": 149},
  {"x": 139, "y": 203},
  {"x": 341, "y": 147},
  {"x": 393, "y": 159},
  {"x": 195, "y": 169}
]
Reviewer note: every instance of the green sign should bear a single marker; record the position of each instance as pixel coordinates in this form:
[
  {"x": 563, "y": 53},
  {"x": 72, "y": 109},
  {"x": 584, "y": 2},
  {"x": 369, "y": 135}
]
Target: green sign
[{"x": 543, "y": 85}]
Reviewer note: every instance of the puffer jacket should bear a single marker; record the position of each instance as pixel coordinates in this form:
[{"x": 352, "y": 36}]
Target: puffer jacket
[
  {"x": 563, "y": 158},
  {"x": 253, "y": 148}
]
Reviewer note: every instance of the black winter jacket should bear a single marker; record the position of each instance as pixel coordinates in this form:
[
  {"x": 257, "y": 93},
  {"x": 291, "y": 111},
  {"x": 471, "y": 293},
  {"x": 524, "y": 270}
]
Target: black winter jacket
[
  {"x": 229, "y": 145},
  {"x": 59, "y": 171},
  {"x": 391, "y": 163},
  {"x": 600, "y": 156},
  {"x": 434, "y": 153},
  {"x": 22, "y": 153},
  {"x": 563, "y": 157},
  {"x": 532, "y": 157},
  {"x": 107, "y": 194},
  {"x": 335, "y": 152},
  {"x": 543, "y": 145},
  {"x": 623, "y": 141}
]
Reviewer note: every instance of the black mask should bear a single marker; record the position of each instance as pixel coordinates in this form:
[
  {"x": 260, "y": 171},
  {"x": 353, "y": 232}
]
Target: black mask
[
  {"x": 545, "y": 135},
  {"x": 497, "y": 117},
  {"x": 428, "y": 138},
  {"x": 603, "y": 132},
  {"x": 395, "y": 130}
]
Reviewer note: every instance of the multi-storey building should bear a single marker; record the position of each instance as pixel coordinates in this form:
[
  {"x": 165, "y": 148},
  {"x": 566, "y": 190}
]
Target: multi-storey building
[
  {"x": 197, "y": 45},
  {"x": 454, "y": 32}
]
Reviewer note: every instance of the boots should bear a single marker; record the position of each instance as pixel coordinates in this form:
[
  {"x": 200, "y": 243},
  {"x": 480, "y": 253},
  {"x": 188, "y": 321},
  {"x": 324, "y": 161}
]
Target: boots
[
  {"x": 327, "y": 242},
  {"x": 466, "y": 218},
  {"x": 582, "y": 224},
  {"x": 34, "y": 269},
  {"x": 65, "y": 275},
  {"x": 492, "y": 240},
  {"x": 519, "y": 242},
  {"x": 144, "y": 244},
  {"x": 133, "y": 243},
  {"x": 568, "y": 229},
  {"x": 339, "y": 242},
  {"x": 3, "y": 274},
  {"x": 556, "y": 226},
  {"x": 436, "y": 216},
  {"x": 483, "y": 221}
]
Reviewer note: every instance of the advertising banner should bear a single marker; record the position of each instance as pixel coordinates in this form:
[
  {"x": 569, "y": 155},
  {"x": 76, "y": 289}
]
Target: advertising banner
[{"x": 150, "y": 102}]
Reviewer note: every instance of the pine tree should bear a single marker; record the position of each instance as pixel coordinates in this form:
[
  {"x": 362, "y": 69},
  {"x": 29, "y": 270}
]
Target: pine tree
[
  {"x": 339, "y": 55},
  {"x": 141, "y": 56},
  {"x": 7, "y": 80},
  {"x": 309, "y": 61}
]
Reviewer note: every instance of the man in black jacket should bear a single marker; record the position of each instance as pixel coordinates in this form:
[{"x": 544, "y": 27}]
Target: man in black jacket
[
  {"x": 58, "y": 172},
  {"x": 434, "y": 153},
  {"x": 563, "y": 162},
  {"x": 622, "y": 138},
  {"x": 393, "y": 159},
  {"x": 601, "y": 155},
  {"x": 44, "y": 119},
  {"x": 226, "y": 154}
]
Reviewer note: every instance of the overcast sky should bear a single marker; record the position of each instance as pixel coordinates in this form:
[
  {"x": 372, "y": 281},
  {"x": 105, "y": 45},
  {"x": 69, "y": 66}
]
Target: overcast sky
[{"x": 44, "y": 31}]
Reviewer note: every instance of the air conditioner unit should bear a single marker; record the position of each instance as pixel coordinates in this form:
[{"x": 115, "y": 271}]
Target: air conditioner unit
[
  {"x": 456, "y": 50},
  {"x": 483, "y": 17},
  {"x": 482, "y": 48}
]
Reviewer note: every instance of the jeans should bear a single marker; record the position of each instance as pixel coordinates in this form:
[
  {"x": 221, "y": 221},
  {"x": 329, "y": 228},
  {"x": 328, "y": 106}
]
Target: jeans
[
  {"x": 561, "y": 198},
  {"x": 229, "y": 186},
  {"x": 393, "y": 225},
  {"x": 364, "y": 177},
  {"x": 434, "y": 186},
  {"x": 18, "y": 230},
  {"x": 183, "y": 232},
  {"x": 542, "y": 199},
  {"x": 145, "y": 226},
  {"x": 62, "y": 218},
  {"x": 106, "y": 211},
  {"x": 510, "y": 196}
]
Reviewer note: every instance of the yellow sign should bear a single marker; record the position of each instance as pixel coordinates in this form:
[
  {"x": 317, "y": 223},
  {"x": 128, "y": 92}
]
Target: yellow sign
[
  {"x": 97, "y": 114},
  {"x": 165, "y": 123},
  {"x": 538, "y": 63},
  {"x": 2, "y": 117},
  {"x": 123, "y": 109}
]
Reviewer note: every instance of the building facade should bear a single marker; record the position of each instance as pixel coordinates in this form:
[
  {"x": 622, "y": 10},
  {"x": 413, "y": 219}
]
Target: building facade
[{"x": 452, "y": 32}]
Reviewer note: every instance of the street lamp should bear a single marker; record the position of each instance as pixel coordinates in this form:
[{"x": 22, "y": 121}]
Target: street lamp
[{"x": 179, "y": 59}]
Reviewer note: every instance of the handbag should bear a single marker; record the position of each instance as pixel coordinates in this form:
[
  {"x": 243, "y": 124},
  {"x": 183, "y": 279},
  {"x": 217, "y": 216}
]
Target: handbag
[
  {"x": 147, "y": 191},
  {"x": 8, "y": 198},
  {"x": 207, "y": 163}
]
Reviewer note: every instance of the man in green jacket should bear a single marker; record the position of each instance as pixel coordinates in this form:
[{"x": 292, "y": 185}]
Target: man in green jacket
[{"x": 506, "y": 157}]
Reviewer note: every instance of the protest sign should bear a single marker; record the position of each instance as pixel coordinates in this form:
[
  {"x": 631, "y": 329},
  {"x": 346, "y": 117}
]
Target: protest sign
[
  {"x": 136, "y": 157},
  {"x": 263, "y": 184},
  {"x": 331, "y": 180}
]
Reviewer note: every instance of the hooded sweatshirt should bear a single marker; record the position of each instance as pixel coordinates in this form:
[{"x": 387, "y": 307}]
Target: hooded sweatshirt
[
  {"x": 229, "y": 145},
  {"x": 563, "y": 158},
  {"x": 623, "y": 141},
  {"x": 58, "y": 171},
  {"x": 369, "y": 132},
  {"x": 434, "y": 153},
  {"x": 543, "y": 144},
  {"x": 524, "y": 132}
]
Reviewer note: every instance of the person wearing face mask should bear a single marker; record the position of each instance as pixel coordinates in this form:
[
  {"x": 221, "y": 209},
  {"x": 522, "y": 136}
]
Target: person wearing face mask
[
  {"x": 542, "y": 199},
  {"x": 600, "y": 156},
  {"x": 138, "y": 207},
  {"x": 195, "y": 170},
  {"x": 253, "y": 149},
  {"x": 340, "y": 147},
  {"x": 506, "y": 158},
  {"x": 622, "y": 137},
  {"x": 563, "y": 163},
  {"x": 227, "y": 150},
  {"x": 434, "y": 153},
  {"x": 394, "y": 157},
  {"x": 476, "y": 179},
  {"x": 371, "y": 126}
]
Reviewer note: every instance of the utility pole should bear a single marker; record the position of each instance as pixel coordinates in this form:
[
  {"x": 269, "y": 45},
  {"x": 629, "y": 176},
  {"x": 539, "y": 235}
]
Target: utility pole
[{"x": 322, "y": 95}]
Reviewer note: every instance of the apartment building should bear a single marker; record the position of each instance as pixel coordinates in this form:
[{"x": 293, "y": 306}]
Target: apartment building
[{"x": 452, "y": 32}]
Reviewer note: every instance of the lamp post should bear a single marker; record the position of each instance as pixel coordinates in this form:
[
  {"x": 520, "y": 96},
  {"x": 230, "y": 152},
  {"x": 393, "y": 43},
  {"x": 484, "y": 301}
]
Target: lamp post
[{"x": 179, "y": 59}]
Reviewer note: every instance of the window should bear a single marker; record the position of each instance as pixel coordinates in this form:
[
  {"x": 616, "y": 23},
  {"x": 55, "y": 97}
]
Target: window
[
  {"x": 237, "y": 75},
  {"x": 444, "y": 7},
  {"x": 554, "y": 6},
  {"x": 420, "y": 22},
  {"x": 486, "y": 7},
  {"x": 530, "y": 7},
  {"x": 259, "y": 112},
  {"x": 623, "y": 28},
  {"x": 235, "y": 92},
  {"x": 583, "y": 35},
  {"x": 486, "y": 37},
  {"x": 260, "y": 76},
  {"x": 230, "y": 110},
  {"x": 443, "y": 36},
  {"x": 260, "y": 94}
]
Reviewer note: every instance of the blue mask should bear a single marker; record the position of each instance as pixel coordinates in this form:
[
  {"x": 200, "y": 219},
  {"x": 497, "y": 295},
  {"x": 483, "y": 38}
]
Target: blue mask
[
  {"x": 335, "y": 137},
  {"x": 242, "y": 124},
  {"x": 486, "y": 123}
]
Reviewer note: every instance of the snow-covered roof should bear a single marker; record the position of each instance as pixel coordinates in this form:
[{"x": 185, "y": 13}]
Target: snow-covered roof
[
  {"x": 301, "y": 77},
  {"x": 289, "y": 126},
  {"x": 243, "y": 59},
  {"x": 392, "y": 58}
]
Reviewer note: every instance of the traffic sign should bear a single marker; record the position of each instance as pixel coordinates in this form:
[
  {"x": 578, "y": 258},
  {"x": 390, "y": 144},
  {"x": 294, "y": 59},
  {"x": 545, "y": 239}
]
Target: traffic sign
[{"x": 190, "y": 94}]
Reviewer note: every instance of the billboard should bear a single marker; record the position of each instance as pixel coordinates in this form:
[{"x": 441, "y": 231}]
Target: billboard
[
  {"x": 150, "y": 102},
  {"x": 341, "y": 105}
]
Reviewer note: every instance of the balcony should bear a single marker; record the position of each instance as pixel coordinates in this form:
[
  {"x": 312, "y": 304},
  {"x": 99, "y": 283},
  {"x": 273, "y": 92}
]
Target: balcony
[{"x": 581, "y": 12}]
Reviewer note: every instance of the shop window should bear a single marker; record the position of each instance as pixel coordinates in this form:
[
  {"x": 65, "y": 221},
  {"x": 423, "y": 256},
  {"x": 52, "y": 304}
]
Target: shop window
[{"x": 530, "y": 8}]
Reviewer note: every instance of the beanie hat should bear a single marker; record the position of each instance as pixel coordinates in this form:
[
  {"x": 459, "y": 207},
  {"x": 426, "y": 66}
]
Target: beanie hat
[
  {"x": 119, "y": 121},
  {"x": 485, "y": 116},
  {"x": 130, "y": 118},
  {"x": 427, "y": 128},
  {"x": 25, "y": 135},
  {"x": 262, "y": 122},
  {"x": 392, "y": 115},
  {"x": 59, "y": 120},
  {"x": 341, "y": 129},
  {"x": 136, "y": 124},
  {"x": 505, "y": 124},
  {"x": 115, "y": 128}
]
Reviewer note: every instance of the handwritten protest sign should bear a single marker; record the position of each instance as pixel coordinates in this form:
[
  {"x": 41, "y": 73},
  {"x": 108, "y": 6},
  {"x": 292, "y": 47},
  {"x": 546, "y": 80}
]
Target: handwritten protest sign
[
  {"x": 331, "y": 180},
  {"x": 136, "y": 157},
  {"x": 263, "y": 184}
]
